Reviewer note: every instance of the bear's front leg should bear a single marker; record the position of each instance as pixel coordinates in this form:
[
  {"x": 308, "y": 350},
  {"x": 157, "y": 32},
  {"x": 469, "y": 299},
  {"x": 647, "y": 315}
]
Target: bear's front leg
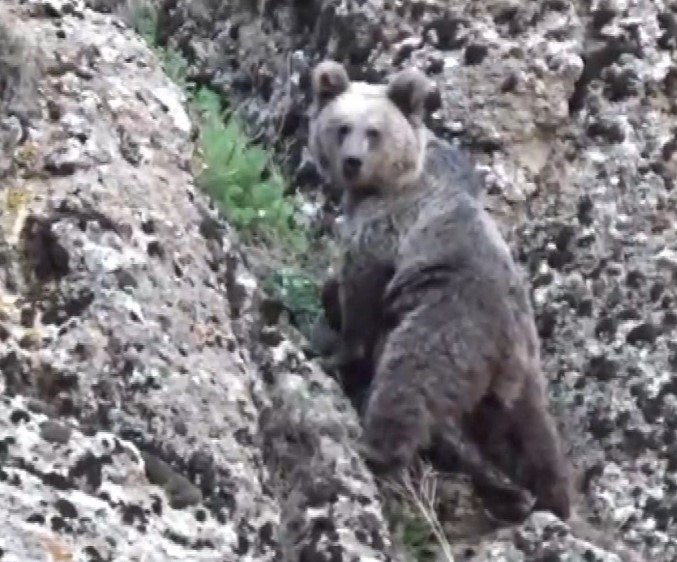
[
  {"x": 362, "y": 283},
  {"x": 543, "y": 465}
]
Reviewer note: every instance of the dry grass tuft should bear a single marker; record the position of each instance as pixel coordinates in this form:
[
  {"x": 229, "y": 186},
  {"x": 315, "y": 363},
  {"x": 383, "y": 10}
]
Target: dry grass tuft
[{"x": 415, "y": 497}]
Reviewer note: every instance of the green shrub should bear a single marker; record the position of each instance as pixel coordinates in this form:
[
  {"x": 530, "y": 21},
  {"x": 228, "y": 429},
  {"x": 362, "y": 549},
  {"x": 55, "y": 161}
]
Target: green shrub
[
  {"x": 242, "y": 179},
  {"x": 298, "y": 292},
  {"x": 176, "y": 67},
  {"x": 250, "y": 191},
  {"x": 247, "y": 186},
  {"x": 143, "y": 18}
]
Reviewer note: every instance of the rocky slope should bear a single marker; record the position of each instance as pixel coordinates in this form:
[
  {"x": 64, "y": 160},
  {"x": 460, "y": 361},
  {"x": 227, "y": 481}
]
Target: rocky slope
[
  {"x": 570, "y": 106},
  {"x": 145, "y": 414},
  {"x": 147, "y": 411}
]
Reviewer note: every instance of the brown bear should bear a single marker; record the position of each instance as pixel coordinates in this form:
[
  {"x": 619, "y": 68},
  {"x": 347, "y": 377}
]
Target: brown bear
[
  {"x": 441, "y": 160},
  {"x": 430, "y": 296}
]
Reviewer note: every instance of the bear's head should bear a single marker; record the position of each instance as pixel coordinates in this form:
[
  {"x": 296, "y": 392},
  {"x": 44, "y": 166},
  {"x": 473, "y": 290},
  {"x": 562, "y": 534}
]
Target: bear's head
[{"x": 366, "y": 137}]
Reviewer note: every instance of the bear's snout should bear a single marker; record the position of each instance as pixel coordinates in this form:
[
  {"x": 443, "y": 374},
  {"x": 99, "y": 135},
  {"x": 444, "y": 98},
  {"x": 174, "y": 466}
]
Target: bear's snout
[{"x": 351, "y": 167}]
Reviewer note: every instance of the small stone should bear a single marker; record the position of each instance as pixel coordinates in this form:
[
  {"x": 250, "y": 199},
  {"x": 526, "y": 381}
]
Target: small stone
[
  {"x": 65, "y": 159},
  {"x": 182, "y": 493},
  {"x": 129, "y": 148},
  {"x": 76, "y": 126},
  {"x": 585, "y": 208},
  {"x": 621, "y": 83},
  {"x": 606, "y": 129},
  {"x": 168, "y": 100},
  {"x": 57, "y": 8},
  {"x": 435, "y": 63},
  {"x": 667, "y": 259},
  {"x": 18, "y": 416},
  {"x": 642, "y": 333},
  {"x": 66, "y": 509},
  {"x": 404, "y": 49},
  {"x": 475, "y": 54},
  {"x": 54, "y": 110},
  {"x": 601, "y": 368},
  {"x": 55, "y": 432}
]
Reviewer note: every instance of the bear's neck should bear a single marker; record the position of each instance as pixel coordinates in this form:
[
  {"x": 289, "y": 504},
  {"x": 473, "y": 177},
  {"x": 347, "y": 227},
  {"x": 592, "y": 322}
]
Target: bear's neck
[
  {"x": 352, "y": 199},
  {"x": 358, "y": 195},
  {"x": 410, "y": 190}
]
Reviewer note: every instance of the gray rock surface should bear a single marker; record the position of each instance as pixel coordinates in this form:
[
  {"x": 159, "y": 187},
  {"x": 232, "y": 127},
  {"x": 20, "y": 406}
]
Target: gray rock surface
[{"x": 144, "y": 412}]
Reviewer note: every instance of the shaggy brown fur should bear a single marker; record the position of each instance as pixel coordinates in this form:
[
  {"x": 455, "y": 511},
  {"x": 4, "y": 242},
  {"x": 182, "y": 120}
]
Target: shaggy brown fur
[{"x": 429, "y": 291}]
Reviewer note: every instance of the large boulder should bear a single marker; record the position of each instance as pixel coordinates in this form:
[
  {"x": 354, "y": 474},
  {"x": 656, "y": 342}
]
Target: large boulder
[{"x": 146, "y": 413}]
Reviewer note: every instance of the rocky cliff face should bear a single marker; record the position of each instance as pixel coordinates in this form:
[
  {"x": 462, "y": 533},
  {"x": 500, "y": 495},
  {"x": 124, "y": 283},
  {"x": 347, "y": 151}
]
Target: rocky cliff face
[
  {"x": 145, "y": 413},
  {"x": 148, "y": 411}
]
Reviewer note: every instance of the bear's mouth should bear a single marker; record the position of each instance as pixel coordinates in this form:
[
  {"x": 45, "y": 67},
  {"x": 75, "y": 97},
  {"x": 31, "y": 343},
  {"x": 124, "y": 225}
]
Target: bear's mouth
[{"x": 363, "y": 191}]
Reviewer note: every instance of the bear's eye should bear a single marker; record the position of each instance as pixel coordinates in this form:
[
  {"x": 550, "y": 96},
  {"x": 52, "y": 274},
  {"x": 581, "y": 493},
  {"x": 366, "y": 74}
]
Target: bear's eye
[
  {"x": 373, "y": 134},
  {"x": 343, "y": 131}
]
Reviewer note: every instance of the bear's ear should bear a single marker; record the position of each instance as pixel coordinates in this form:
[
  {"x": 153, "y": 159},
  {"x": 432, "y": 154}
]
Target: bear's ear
[
  {"x": 408, "y": 90},
  {"x": 329, "y": 80}
]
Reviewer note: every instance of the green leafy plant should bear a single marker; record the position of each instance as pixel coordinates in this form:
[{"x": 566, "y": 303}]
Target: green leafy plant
[
  {"x": 243, "y": 180},
  {"x": 143, "y": 16},
  {"x": 298, "y": 292},
  {"x": 175, "y": 66},
  {"x": 250, "y": 191}
]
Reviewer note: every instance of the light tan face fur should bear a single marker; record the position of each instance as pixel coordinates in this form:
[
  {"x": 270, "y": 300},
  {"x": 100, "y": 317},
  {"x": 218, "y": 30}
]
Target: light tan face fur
[{"x": 367, "y": 136}]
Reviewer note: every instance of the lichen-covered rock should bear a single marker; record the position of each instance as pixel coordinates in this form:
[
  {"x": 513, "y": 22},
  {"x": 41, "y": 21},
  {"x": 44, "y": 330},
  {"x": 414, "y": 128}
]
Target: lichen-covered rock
[
  {"x": 144, "y": 413},
  {"x": 570, "y": 106},
  {"x": 541, "y": 537}
]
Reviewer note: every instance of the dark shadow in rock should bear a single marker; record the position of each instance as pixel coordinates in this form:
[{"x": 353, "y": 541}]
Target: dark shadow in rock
[
  {"x": 181, "y": 492},
  {"x": 17, "y": 377},
  {"x": 44, "y": 255},
  {"x": 595, "y": 60}
]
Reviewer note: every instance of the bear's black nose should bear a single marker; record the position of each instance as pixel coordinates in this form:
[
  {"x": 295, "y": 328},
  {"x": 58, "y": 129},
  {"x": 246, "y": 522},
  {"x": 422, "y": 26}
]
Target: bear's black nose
[{"x": 351, "y": 167}]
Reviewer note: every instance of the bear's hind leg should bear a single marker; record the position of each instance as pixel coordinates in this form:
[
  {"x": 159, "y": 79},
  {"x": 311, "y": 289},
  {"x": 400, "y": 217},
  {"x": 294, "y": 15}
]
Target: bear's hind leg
[
  {"x": 505, "y": 500},
  {"x": 396, "y": 428},
  {"x": 416, "y": 406},
  {"x": 543, "y": 467}
]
